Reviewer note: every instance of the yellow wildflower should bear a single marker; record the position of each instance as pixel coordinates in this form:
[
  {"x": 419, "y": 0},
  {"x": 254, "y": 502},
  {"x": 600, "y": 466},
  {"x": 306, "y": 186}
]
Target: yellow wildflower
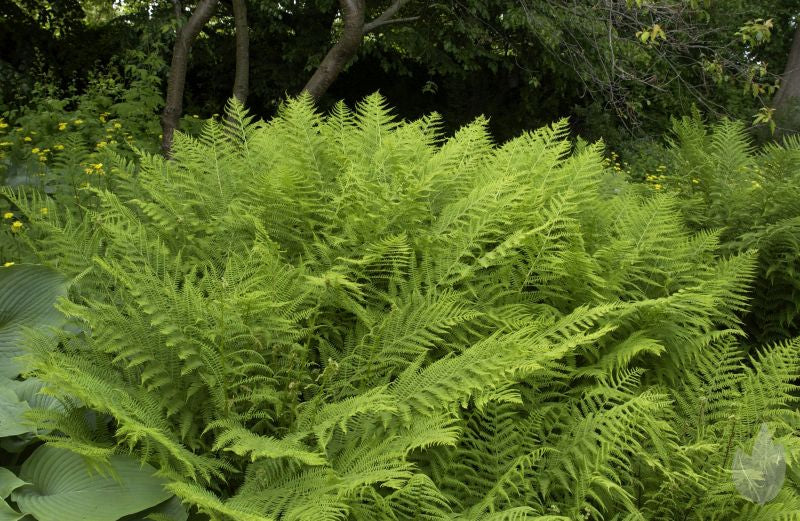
[
  {"x": 27, "y": 139},
  {"x": 657, "y": 186},
  {"x": 78, "y": 121},
  {"x": 42, "y": 158},
  {"x": 35, "y": 150},
  {"x": 101, "y": 144},
  {"x": 59, "y": 146},
  {"x": 43, "y": 210},
  {"x": 88, "y": 170},
  {"x": 8, "y": 215},
  {"x": 3, "y": 124},
  {"x": 8, "y": 264},
  {"x": 696, "y": 181},
  {"x": 16, "y": 225},
  {"x": 5, "y": 144},
  {"x": 97, "y": 166},
  {"x": 102, "y": 118},
  {"x": 62, "y": 126},
  {"x": 117, "y": 125}
]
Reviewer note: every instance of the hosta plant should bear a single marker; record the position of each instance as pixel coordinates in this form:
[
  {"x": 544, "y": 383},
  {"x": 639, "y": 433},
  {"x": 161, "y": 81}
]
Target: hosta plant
[{"x": 350, "y": 317}]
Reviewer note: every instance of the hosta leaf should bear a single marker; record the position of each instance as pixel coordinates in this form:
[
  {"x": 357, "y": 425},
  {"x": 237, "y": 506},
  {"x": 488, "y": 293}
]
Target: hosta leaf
[
  {"x": 8, "y": 482},
  {"x": 170, "y": 510},
  {"x": 9, "y": 514},
  {"x": 27, "y": 297},
  {"x": 29, "y": 389},
  {"x": 11, "y": 413},
  {"x": 63, "y": 488}
]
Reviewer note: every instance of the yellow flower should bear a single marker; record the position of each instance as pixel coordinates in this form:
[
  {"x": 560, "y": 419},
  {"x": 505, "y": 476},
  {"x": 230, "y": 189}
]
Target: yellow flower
[
  {"x": 43, "y": 158},
  {"x": 3, "y": 124},
  {"x": 43, "y": 210},
  {"x": 35, "y": 150},
  {"x": 59, "y": 146},
  {"x": 78, "y": 121},
  {"x": 195, "y": 116},
  {"x": 27, "y": 139},
  {"x": 117, "y": 125},
  {"x": 97, "y": 166},
  {"x": 657, "y": 186},
  {"x": 8, "y": 264},
  {"x": 101, "y": 144},
  {"x": 5, "y": 144},
  {"x": 8, "y": 215},
  {"x": 696, "y": 181},
  {"x": 102, "y": 118},
  {"x": 17, "y": 225},
  {"x": 62, "y": 126},
  {"x": 88, "y": 170}
]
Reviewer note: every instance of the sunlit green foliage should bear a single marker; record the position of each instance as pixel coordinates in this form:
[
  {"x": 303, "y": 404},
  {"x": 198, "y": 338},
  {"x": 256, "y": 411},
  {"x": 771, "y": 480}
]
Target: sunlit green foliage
[{"x": 348, "y": 317}]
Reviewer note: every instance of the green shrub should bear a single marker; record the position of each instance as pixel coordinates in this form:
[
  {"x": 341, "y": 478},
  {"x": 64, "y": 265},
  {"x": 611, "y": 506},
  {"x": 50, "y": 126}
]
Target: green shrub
[{"x": 346, "y": 317}]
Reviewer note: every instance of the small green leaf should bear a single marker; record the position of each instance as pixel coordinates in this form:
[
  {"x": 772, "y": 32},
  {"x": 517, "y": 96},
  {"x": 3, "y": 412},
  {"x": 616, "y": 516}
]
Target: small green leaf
[
  {"x": 8, "y": 482},
  {"x": 9, "y": 514},
  {"x": 12, "y": 410}
]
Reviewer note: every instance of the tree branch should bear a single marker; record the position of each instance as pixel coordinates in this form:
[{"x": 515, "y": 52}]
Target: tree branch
[
  {"x": 387, "y": 17},
  {"x": 377, "y": 25}
]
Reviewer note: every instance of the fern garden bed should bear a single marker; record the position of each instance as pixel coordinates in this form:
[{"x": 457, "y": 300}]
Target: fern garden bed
[{"x": 351, "y": 318}]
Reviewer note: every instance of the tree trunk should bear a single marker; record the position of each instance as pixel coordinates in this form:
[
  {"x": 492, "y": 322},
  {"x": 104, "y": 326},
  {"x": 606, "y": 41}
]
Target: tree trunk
[
  {"x": 241, "y": 81},
  {"x": 173, "y": 106},
  {"x": 342, "y": 52},
  {"x": 790, "y": 81}
]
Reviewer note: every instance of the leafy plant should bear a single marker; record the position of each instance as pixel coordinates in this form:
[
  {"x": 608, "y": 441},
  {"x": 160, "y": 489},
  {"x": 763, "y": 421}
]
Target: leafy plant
[
  {"x": 348, "y": 317},
  {"x": 52, "y": 483}
]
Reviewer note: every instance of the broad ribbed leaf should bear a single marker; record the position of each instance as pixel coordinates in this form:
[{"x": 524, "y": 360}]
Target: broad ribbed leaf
[
  {"x": 64, "y": 488},
  {"x": 171, "y": 509},
  {"x": 27, "y": 297}
]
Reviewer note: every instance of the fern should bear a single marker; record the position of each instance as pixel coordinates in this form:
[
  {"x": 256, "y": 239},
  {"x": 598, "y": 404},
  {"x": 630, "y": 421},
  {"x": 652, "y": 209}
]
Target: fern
[{"x": 347, "y": 317}]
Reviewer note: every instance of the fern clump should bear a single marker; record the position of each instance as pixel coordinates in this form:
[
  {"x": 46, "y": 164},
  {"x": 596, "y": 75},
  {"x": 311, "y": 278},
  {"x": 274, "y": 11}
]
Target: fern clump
[
  {"x": 348, "y": 317},
  {"x": 752, "y": 195}
]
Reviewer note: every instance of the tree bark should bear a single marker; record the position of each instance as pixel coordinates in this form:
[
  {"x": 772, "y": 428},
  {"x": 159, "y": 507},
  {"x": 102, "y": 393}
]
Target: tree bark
[
  {"x": 790, "y": 81},
  {"x": 342, "y": 52},
  {"x": 241, "y": 82},
  {"x": 173, "y": 106}
]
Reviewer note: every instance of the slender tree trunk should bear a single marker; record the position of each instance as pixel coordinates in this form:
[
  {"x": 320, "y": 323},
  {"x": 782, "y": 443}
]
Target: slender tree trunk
[
  {"x": 241, "y": 82},
  {"x": 173, "y": 106},
  {"x": 790, "y": 81},
  {"x": 342, "y": 52}
]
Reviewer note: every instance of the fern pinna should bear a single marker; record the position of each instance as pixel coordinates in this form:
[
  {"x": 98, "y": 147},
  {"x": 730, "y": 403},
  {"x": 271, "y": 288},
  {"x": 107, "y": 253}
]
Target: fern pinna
[{"x": 348, "y": 317}]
